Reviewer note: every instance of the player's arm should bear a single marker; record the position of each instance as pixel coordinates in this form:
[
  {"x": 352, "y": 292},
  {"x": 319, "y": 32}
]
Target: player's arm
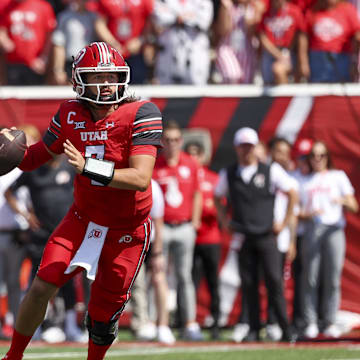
[
  {"x": 44, "y": 150},
  {"x": 136, "y": 177},
  {"x": 35, "y": 155}
]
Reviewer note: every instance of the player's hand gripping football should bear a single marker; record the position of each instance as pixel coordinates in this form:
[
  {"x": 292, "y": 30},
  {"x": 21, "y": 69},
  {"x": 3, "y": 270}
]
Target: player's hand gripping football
[
  {"x": 75, "y": 157},
  {"x": 4, "y": 130}
]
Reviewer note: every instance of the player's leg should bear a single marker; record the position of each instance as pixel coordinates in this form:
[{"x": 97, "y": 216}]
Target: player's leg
[
  {"x": 33, "y": 307},
  {"x": 122, "y": 255},
  {"x": 31, "y": 313}
]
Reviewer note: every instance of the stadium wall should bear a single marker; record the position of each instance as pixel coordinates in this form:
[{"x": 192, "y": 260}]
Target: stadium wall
[{"x": 327, "y": 112}]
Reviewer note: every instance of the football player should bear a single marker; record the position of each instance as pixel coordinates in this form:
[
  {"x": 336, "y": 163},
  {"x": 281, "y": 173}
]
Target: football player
[{"x": 111, "y": 139}]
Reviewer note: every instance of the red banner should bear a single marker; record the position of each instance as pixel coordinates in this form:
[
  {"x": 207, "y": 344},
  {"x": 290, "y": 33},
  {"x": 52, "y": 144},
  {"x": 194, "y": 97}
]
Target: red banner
[{"x": 334, "y": 119}]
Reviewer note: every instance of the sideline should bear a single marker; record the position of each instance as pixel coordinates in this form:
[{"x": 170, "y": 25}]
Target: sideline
[{"x": 161, "y": 350}]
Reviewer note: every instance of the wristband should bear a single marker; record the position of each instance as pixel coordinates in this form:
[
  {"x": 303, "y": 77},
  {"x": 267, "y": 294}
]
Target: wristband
[{"x": 101, "y": 171}]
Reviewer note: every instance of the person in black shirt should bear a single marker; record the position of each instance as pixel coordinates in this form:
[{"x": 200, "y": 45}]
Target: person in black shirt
[
  {"x": 250, "y": 187},
  {"x": 50, "y": 184}
]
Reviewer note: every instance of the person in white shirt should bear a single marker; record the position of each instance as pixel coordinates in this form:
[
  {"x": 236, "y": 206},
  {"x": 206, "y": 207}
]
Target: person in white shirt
[
  {"x": 144, "y": 328},
  {"x": 183, "y": 43},
  {"x": 280, "y": 152},
  {"x": 13, "y": 236},
  {"x": 301, "y": 150},
  {"x": 75, "y": 29},
  {"x": 324, "y": 196}
]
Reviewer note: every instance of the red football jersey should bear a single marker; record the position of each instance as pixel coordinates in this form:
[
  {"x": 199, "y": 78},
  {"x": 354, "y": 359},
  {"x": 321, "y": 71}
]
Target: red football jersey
[
  {"x": 332, "y": 30},
  {"x": 281, "y": 26},
  {"x": 178, "y": 184},
  {"x": 209, "y": 232},
  {"x": 28, "y": 24},
  {"x": 113, "y": 138},
  {"x": 126, "y": 19}
]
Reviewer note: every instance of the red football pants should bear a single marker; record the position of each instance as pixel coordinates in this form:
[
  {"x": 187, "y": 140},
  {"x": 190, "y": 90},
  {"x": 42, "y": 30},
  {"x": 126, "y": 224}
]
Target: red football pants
[{"x": 121, "y": 258}]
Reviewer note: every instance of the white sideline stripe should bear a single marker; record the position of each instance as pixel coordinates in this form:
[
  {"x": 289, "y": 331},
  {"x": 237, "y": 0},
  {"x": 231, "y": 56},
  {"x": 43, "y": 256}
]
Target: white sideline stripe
[
  {"x": 168, "y": 350},
  {"x": 294, "y": 117},
  {"x": 187, "y": 91},
  {"x": 148, "y": 351}
]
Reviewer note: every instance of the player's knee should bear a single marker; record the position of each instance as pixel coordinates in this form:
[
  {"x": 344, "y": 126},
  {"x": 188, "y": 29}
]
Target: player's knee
[{"x": 102, "y": 333}]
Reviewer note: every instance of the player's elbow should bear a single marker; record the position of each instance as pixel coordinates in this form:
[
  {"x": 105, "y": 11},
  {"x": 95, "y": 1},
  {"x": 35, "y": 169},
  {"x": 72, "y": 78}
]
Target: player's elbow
[
  {"x": 142, "y": 188},
  {"x": 143, "y": 184}
]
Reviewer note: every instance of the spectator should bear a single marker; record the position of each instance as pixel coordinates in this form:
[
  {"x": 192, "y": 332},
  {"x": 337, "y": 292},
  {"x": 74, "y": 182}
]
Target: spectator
[
  {"x": 177, "y": 175},
  {"x": 282, "y": 36},
  {"x": 13, "y": 237},
  {"x": 304, "y": 5},
  {"x": 3, "y": 5},
  {"x": 324, "y": 196},
  {"x": 146, "y": 330},
  {"x": 208, "y": 241},
  {"x": 124, "y": 25},
  {"x": 12, "y": 253},
  {"x": 183, "y": 55},
  {"x": 58, "y": 5},
  {"x": 280, "y": 150},
  {"x": 49, "y": 184},
  {"x": 25, "y": 31},
  {"x": 301, "y": 149},
  {"x": 250, "y": 187},
  {"x": 234, "y": 30},
  {"x": 331, "y": 27},
  {"x": 75, "y": 29}
]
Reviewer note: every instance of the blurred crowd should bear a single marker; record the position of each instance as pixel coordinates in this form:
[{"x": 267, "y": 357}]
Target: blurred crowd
[
  {"x": 184, "y": 42},
  {"x": 282, "y": 205}
]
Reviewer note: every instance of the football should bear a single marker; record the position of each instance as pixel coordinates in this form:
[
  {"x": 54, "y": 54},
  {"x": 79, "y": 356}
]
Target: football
[{"x": 12, "y": 150}]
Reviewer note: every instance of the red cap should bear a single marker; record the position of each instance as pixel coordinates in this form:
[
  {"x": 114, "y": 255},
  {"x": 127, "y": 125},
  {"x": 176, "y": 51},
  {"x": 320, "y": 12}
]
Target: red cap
[{"x": 303, "y": 147}]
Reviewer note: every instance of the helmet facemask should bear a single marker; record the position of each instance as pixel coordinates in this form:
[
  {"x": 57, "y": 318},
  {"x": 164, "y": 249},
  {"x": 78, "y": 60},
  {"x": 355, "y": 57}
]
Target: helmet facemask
[{"x": 82, "y": 85}]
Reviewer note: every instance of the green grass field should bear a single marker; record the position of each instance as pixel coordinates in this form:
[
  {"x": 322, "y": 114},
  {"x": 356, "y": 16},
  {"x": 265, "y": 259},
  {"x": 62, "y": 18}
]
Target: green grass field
[
  {"x": 198, "y": 353},
  {"x": 128, "y": 349}
]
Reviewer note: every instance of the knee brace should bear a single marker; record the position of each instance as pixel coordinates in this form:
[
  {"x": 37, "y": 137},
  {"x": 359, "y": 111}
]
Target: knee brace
[{"x": 102, "y": 333}]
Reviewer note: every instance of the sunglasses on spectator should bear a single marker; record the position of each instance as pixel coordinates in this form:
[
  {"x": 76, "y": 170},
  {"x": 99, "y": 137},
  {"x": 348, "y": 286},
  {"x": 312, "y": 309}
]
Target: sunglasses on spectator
[
  {"x": 319, "y": 155},
  {"x": 169, "y": 140}
]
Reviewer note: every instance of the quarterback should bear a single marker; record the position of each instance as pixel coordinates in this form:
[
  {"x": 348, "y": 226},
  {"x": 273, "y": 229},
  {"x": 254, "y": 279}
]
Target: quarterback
[{"x": 111, "y": 139}]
